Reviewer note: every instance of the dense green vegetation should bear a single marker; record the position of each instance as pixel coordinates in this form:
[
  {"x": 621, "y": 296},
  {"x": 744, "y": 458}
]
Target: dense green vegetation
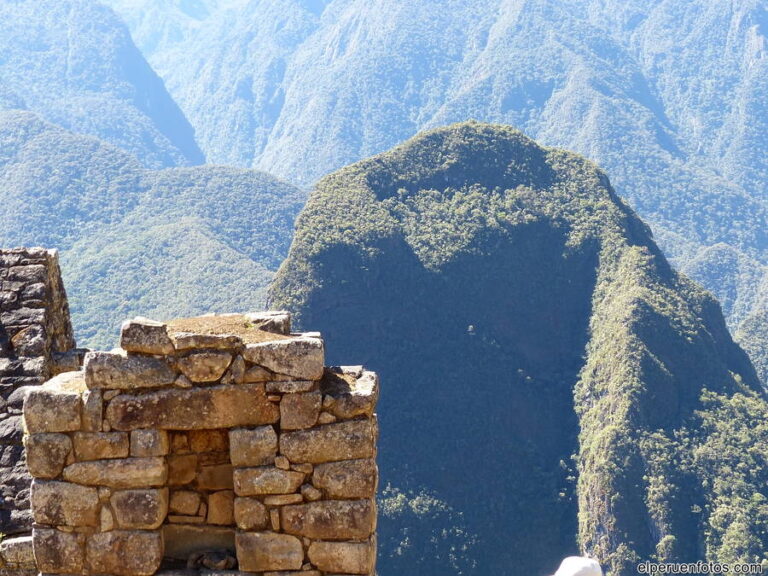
[
  {"x": 161, "y": 244},
  {"x": 549, "y": 377},
  {"x": 753, "y": 337}
]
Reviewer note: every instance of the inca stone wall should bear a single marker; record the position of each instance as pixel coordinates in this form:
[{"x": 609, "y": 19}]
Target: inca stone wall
[
  {"x": 35, "y": 343},
  {"x": 218, "y": 443}
]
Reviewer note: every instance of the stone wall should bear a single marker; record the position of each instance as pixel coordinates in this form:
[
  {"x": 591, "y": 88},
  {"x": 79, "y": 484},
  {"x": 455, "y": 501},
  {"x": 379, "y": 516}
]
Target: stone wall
[
  {"x": 35, "y": 343},
  {"x": 219, "y": 442}
]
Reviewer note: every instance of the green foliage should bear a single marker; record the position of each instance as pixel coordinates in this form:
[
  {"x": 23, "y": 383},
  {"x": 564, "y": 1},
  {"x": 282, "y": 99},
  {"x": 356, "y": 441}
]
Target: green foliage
[{"x": 753, "y": 337}]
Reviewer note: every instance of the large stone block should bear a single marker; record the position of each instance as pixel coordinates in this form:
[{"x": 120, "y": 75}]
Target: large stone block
[
  {"x": 58, "y": 552},
  {"x": 343, "y": 557},
  {"x": 250, "y": 514},
  {"x": 221, "y": 508},
  {"x": 56, "y": 406},
  {"x": 277, "y": 322},
  {"x": 17, "y": 555},
  {"x": 208, "y": 366},
  {"x": 330, "y": 520},
  {"x": 226, "y": 406},
  {"x": 181, "y": 540},
  {"x": 266, "y": 480},
  {"x": 262, "y": 551},
  {"x": 148, "y": 443},
  {"x": 93, "y": 410},
  {"x": 117, "y": 372},
  {"x": 184, "y": 502},
  {"x": 182, "y": 469},
  {"x": 145, "y": 336},
  {"x": 140, "y": 509},
  {"x": 347, "y": 479},
  {"x": 64, "y": 504},
  {"x": 124, "y": 553},
  {"x": 340, "y": 441},
  {"x": 299, "y": 411},
  {"x": 47, "y": 453},
  {"x": 253, "y": 447},
  {"x": 100, "y": 445},
  {"x": 187, "y": 341},
  {"x": 124, "y": 473},
  {"x": 349, "y": 394},
  {"x": 300, "y": 358}
]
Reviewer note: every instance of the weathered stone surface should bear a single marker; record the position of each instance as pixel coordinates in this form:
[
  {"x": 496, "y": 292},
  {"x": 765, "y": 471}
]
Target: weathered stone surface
[
  {"x": 124, "y": 553},
  {"x": 93, "y": 410},
  {"x": 140, "y": 509},
  {"x": 300, "y": 358},
  {"x": 107, "y": 519},
  {"x": 209, "y": 440},
  {"x": 115, "y": 371},
  {"x": 182, "y": 469},
  {"x": 184, "y": 502},
  {"x": 303, "y": 572},
  {"x": 56, "y": 406},
  {"x": 215, "y": 477},
  {"x": 277, "y": 322},
  {"x": 30, "y": 341},
  {"x": 282, "y": 462},
  {"x": 47, "y": 453},
  {"x": 253, "y": 447},
  {"x": 226, "y": 406},
  {"x": 266, "y": 480},
  {"x": 347, "y": 479},
  {"x": 340, "y": 441},
  {"x": 299, "y": 411},
  {"x": 125, "y": 473},
  {"x": 261, "y": 551},
  {"x": 291, "y": 386},
  {"x": 250, "y": 514},
  {"x": 343, "y": 557},
  {"x": 257, "y": 374},
  {"x": 58, "y": 552},
  {"x": 148, "y": 443},
  {"x": 185, "y": 341},
  {"x": 64, "y": 504},
  {"x": 176, "y": 519},
  {"x": 330, "y": 520},
  {"x": 348, "y": 396},
  {"x": 283, "y": 499},
  {"x": 181, "y": 540},
  {"x": 17, "y": 553},
  {"x": 100, "y": 445},
  {"x": 221, "y": 508},
  {"x": 145, "y": 336},
  {"x": 11, "y": 430},
  {"x": 326, "y": 418},
  {"x": 206, "y": 366}
]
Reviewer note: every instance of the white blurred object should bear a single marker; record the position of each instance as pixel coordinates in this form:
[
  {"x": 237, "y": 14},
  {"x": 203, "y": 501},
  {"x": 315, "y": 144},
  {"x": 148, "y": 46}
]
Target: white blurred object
[{"x": 579, "y": 566}]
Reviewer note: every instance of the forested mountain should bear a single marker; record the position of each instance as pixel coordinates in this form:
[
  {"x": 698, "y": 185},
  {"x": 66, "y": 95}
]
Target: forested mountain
[
  {"x": 667, "y": 96},
  {"x": 166, "y": 243},
  {"x": 548, "y": 375},
  {"x": 73, "y": 63}
]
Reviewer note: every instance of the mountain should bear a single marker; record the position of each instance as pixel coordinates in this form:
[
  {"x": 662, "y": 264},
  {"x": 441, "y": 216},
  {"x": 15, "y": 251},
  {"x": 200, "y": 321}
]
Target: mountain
[
  {"x": 547, "y": 376},
  {"x": 165, "y": 243},
  {"x": 73, "y": 63},
  {"x": 666, "y": 96},
  {"x": 753, "y": 337}
]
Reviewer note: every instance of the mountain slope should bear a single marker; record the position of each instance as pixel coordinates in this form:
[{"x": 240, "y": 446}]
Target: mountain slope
[
  {"x": 546, "y": 372},
  {"x": 165, "y": 243},
  {"x": 73, "y": 62}
]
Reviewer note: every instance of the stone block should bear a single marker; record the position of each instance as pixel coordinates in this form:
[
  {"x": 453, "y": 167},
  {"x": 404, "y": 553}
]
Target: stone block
[
  {"x": 140, "y": 509},
  {"x": 148, "y": 443},
  {"x": 184, "y": 502},
  {"x": 182, "y": 469},
  {"x": 58, "y": 552},
  {"x": 145, "y": 336},
  {"x": 100, "y": 445},
  {"x": 64, "y": 504},
  {"x": 227, "y": 406},
  {"x": 181, "y": 540},
  {"x": 215, "y": 478},
  {"x": 186, "y": 341},
  {"x": 221, "y": 508},
  {"x": 124, "y": 473},
  {"x": 56, "y": 406},
  {"x": 330, "y": 520},
  {"x": 343, "y": 557},
  {"x": 266, "y": 480},
  {"x": 346, "y": 479},
  {"x": 47, "y": 453},
  {"x": 310, "y": 493},
  {"x": 299, "y": 411},
  {"x": 283, "y": 499},
  {"x": 209, "y": 440},
  {"x": 300, "y": 358},
  {"x": 291, "y": 386},
  {"x": 277, "y": 322},
  {"x": 262, "y": 551},
  {"x": 253, "y": 447},
  {"x": 93, "y": 410},
  {"x": 17, "y": 552},
  {"x": 250, "y": 514},
  {"x": 118, "y": 372},
  {"x": 257, "y": 374},
  {"x": 124, "y": 553},
  {"x": 348, "y": 395},
  {"x": 339, "y": 441},
  {"x": 206, "y": 366}
]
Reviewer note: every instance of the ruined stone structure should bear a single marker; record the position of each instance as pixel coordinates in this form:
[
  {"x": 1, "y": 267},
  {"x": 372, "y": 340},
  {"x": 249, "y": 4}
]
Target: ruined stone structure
[
  {"x": 36, "y": 343},
  {"x": 215, "y": 445}
]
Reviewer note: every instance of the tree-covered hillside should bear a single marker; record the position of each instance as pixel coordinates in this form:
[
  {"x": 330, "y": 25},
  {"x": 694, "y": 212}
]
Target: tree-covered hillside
[
  {"x": 166, "y": 243},
  {"x": 73, "y": 62},
  {"x": 667, "y": 96},
  {"x": 546, "y": 373}
]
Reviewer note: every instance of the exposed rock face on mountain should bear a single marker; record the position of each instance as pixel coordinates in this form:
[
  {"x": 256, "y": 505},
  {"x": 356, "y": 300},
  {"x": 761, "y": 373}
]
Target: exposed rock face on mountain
[
  {"x": 74, "y": 63},
  {"x": 174, "y": 242},
  {"x": 550, "y": 376}
]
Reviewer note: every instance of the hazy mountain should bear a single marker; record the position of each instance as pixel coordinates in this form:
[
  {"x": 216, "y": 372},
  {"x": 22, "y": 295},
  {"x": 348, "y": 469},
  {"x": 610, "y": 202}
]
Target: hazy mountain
[
  {"x": 134, "y": 241},
  {"x": 548, "y": 375},
  {"x": 73, "y": 62}
]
